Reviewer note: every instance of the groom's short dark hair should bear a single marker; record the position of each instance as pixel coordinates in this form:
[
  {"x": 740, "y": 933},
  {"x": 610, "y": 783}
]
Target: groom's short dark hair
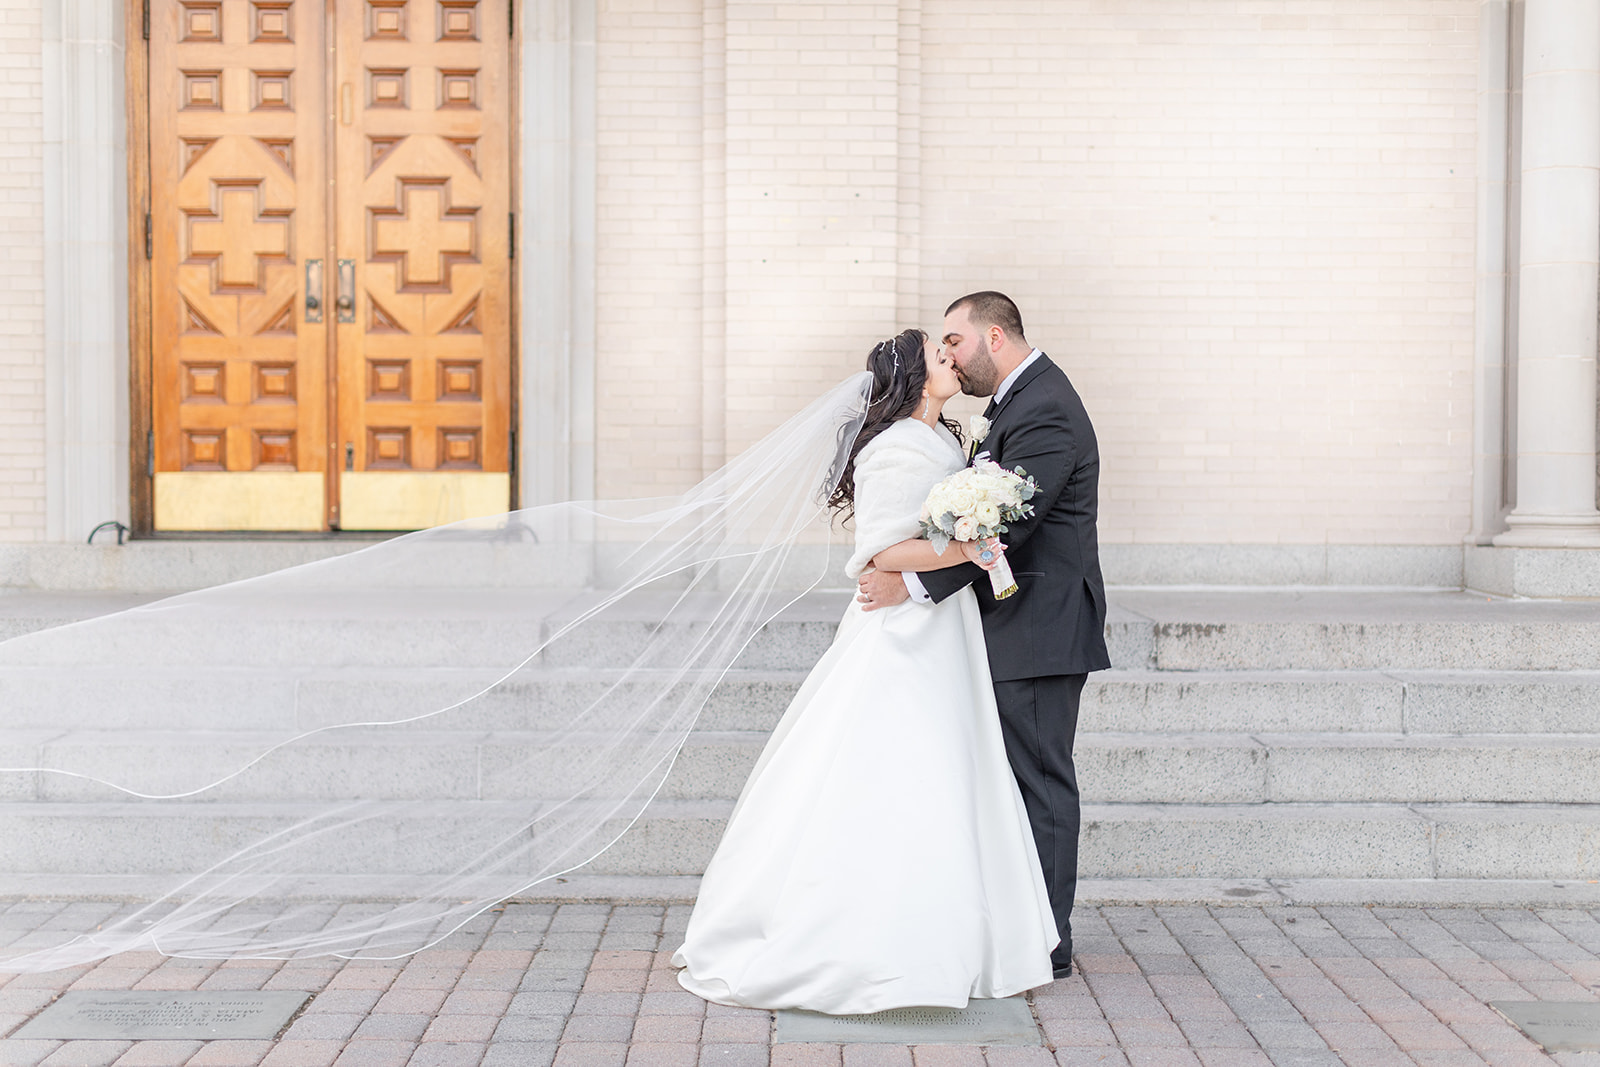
[{"x": 990, "y": 308}]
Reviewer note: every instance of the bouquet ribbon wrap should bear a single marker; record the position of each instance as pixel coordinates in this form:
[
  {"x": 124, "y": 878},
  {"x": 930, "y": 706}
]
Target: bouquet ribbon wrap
[{"x": 1001, "y": 579}]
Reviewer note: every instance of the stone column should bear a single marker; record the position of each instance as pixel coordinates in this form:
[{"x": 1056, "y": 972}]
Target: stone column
[
  {"x": 86, "y": 277},
  {"x": 556, "y": 249},
  {"x": 1560, "y": 267},
  {"x": 1499, "y": 93}
]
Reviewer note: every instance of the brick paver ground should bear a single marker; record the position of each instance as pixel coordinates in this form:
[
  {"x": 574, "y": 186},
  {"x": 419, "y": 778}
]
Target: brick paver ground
[{"x": 587, "y": 985}]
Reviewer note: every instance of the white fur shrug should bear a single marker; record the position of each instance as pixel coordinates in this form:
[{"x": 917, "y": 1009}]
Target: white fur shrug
[{"x": 893, "y": 475}]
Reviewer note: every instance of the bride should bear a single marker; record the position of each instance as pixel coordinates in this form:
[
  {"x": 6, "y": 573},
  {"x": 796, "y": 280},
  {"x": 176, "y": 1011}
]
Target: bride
[{"x": 880, "y": 855}]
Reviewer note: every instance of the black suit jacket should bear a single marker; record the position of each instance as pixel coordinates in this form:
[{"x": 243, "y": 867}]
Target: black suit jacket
[{"x": 1055, "y": 622}]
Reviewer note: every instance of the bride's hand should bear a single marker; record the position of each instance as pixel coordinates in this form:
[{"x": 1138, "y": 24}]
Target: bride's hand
[{"x": 974, "y": 550}]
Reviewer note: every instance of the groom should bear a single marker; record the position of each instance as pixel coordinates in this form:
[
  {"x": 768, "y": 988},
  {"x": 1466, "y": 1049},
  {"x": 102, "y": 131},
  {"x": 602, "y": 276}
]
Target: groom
[{"x": 1046, "y": 638}]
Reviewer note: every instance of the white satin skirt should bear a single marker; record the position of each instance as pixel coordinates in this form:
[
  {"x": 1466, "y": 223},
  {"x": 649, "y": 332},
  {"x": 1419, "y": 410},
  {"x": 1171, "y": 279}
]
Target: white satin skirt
[{"x": 879, "y": 856}]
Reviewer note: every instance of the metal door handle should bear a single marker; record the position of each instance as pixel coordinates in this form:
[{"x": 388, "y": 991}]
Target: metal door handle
[
  {"x": 313, "y": 290},
  {"x": 347, "y": 290}
]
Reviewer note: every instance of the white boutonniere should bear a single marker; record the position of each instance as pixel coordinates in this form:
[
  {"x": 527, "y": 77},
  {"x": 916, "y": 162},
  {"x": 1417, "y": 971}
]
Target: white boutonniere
[{"x": 978, "y": 427}]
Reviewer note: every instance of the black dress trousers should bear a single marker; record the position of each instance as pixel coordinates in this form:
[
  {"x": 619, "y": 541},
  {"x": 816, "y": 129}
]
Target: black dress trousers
[{"x": 1039, "y": 720}]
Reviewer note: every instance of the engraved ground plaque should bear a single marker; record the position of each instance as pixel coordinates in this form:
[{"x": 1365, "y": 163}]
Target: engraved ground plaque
[
  {"x": 981, "y": 1022},
  {"x": 151, "y": 1016},
  {"x": 1555, "y": 1027}
]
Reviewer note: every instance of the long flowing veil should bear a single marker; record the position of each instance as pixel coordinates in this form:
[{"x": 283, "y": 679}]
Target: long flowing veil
[{"x": 258, "y": 741}]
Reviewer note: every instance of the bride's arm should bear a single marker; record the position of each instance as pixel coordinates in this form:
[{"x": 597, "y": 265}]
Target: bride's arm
[{"x": 916, "y": 554}]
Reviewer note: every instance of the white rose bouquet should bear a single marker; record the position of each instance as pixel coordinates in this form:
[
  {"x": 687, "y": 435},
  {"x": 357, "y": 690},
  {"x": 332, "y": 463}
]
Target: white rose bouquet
[{"x": 974, "y": 503}]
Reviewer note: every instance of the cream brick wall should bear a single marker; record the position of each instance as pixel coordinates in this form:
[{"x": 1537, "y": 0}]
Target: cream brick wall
[
  {"x": 649, "y": 231},
  {"x": 21, "y": 273},
  {"x": 791, "y": 273},
  {"x": 812, "y": 118},
  {"x": 1246, "y": 229}
]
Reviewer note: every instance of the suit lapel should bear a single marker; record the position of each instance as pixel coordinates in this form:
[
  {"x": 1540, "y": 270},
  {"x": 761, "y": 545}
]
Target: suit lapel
[
  {"x": 995, "y": 411},
  {"x": 1035, "y": 369}
]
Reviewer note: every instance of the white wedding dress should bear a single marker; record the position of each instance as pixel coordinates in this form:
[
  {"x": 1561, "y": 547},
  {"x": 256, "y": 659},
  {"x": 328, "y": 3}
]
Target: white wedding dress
[{"x": 879, "y": 855}]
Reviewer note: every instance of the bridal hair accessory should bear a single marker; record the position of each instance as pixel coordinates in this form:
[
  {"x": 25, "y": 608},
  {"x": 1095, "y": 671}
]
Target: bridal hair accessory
[
  {"x": 974, "y": 504},
  {"x": 892, "y": 371},
  {"x": 437, "y": 722}
]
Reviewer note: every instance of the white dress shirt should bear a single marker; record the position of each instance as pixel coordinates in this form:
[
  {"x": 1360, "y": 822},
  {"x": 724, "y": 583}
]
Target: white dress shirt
[{"x": 914, "y": 585}]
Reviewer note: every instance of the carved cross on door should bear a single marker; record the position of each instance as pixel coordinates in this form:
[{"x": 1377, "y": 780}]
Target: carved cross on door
[
  {"x": 237, "y": 236},
  {"x": 424, "y": 234}
]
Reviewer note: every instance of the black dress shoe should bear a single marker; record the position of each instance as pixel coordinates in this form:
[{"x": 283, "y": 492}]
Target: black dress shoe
[
  {"x": 1063, "y": 972},
  {"x": 1061, "y": 963}
]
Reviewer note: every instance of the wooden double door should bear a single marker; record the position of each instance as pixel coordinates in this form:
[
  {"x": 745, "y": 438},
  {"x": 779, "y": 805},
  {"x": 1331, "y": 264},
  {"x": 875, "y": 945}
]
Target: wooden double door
[{"x": 330, "y": 263}]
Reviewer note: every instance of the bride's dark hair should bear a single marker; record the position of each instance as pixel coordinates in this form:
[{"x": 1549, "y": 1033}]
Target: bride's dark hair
[{"x": 898, "y": 374}]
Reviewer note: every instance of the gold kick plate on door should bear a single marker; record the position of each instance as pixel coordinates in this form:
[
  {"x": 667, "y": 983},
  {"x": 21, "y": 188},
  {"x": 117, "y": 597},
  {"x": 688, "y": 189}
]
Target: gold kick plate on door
[
  {"x": 238, "y": 500},
  {"x": 415, "y": 500}
]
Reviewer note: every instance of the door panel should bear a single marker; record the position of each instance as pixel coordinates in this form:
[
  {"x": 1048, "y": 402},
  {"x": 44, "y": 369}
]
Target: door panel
[
  {"x": 330, "y": 275},
  {"x": 239, "y": 410},
  {"x": 422, "y": 161}
]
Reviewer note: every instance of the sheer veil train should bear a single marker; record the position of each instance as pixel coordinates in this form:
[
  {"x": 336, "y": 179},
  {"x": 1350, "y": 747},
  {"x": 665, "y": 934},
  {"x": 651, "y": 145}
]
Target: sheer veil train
[{"x": 259, "y": 736}]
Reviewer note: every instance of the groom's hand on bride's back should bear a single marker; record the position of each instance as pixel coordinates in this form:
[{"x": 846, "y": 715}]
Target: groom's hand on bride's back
[{"x": 880, "y": 589}]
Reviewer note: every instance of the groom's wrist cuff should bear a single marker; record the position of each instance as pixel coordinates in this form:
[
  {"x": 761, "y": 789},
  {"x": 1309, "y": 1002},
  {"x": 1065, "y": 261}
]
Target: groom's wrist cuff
[{"x": 914, "y": 586}]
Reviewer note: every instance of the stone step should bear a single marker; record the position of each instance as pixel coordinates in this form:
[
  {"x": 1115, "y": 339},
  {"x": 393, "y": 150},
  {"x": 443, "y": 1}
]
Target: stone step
[
  {"x": 1261, "y": 735},
  {"x": 1120, "y": 700},
  {"x": 1162, "y": 630},
  {"x": 416, "y": 765},
  {"x": 476, "y": 628},
  {"x": 677, "y": 837},
  {"x": 160, "y": 564},
  {"x": 1238, "y": 841},
  {"x": 1196, "y": 630},
  {"x": 1339, "y": 768},
  {"x": 1354, "y": 701},
  {"x": 1208, "y": 768},
  {"x": 27, "y": 612},
  {"x": 138, "y": 838},
  {"x": 538, "y": 698}
]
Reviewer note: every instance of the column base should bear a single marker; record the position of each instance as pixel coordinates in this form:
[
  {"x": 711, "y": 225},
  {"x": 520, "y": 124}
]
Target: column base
[
  {"x": 1551, "y": 531},
  {"x": 1533, "y": 572}
]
